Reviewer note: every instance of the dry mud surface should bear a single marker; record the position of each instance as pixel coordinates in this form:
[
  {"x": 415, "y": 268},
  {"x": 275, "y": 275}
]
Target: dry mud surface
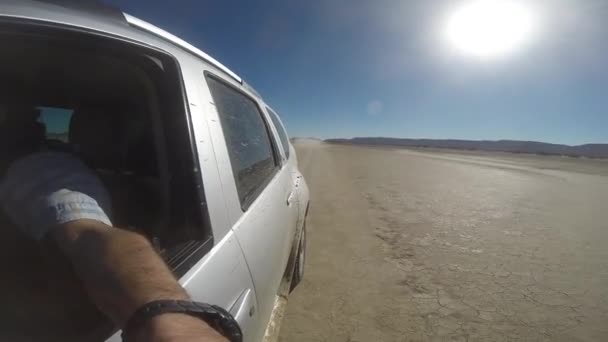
[{"x": 408, "y": 245}]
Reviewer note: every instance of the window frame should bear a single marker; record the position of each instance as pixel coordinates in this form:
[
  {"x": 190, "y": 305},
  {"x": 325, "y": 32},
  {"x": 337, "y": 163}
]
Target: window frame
[
  {"x": 185, "y": 255},
  {"x": 279, "y": 129},
  {"x": 42, "y": 119},
  {"x": 276, "y": 156},
  {"x": 182, "y": 164}
]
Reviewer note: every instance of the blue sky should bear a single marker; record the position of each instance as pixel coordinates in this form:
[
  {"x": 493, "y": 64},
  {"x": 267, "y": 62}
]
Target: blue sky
[{"x": 344, "y": 68}]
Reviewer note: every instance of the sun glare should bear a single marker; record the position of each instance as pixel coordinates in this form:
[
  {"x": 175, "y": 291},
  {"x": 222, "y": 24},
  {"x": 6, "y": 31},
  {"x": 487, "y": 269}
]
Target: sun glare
[{"x": 490, "y": 28}]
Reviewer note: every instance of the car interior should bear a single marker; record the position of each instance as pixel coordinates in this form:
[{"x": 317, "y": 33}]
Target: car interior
[{"x": 100, "y": 106}]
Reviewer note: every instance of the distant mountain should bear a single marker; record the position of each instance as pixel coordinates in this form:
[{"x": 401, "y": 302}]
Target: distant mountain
[
  {"x": 513, "y": 146},
  {"x": 294, "y": 139}
]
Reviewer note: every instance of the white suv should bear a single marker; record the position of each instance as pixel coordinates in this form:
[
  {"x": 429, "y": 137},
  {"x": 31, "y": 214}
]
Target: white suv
[{"x": 192, "y": 156}]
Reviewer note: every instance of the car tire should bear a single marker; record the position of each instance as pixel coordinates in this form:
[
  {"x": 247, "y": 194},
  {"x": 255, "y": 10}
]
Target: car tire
[{"x": 298, "y": 271}]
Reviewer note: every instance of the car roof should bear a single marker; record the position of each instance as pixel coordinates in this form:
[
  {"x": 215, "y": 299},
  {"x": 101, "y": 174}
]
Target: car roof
[{"x": 95, "y": 16}]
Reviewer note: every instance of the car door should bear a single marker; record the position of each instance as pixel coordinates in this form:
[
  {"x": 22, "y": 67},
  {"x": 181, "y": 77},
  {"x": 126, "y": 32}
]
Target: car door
[
  {"x": 222, "y": 276},
  {"x": 214, "y": 271},
  {"x": 289, "y": 166},
  {"x": 263, "y": 205}
]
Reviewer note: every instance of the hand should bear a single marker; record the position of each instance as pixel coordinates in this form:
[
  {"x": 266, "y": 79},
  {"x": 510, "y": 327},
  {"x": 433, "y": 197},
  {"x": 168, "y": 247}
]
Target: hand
[{"x": 45, "y": 189}]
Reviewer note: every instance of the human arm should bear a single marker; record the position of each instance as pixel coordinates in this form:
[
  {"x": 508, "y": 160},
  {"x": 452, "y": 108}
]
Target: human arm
[
  {"x": 52, "y": 195},
  {"x": 121, "y": 272}
]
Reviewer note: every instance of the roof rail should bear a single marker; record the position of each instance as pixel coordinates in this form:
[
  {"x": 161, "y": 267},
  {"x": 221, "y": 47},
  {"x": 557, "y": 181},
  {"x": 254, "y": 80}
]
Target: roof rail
[
  {"x": 91, "y": 7},
  {"x": 179, "y": 42}
]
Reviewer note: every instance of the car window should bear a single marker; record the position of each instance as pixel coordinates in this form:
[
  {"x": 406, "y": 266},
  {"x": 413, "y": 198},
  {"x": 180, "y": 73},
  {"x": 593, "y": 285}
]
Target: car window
[
  {"x": 119, "y": 121},
  {"x": 56, "y": 121},
  {"x": 282, "y": 134},
  {"x": 247, "y": 138}
]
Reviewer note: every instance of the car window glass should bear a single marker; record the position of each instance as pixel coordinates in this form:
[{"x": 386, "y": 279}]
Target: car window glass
[
  {"x": 247, "y": 139},
  {"x": 281, "y": 131},
  {"x": 56, "y": 121}
]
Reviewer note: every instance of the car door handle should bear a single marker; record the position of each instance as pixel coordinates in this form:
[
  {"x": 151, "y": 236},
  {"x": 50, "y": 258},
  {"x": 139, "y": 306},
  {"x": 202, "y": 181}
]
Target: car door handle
[
  {"x": 290, "y": 198},
  {"x": 244, "y": 308}
]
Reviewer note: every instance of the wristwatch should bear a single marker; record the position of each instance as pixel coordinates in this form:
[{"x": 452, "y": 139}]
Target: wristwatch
[{"x": 218, "y": 318}]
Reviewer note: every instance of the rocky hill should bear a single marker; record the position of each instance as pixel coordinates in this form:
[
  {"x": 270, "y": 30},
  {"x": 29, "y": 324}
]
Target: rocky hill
[{"x": 513, "y": 146}]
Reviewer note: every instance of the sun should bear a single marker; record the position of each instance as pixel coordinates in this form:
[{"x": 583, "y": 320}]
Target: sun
[{"x": 490, "y": 28}]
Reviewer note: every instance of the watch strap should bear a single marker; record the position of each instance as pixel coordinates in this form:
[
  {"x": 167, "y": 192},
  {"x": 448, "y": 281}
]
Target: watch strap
[{"x": 218, "y": 318}]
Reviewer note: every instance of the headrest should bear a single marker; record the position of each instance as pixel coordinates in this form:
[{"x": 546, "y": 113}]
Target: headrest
[
  {"x": 20, "y": 132},
  {"x": 96, "y": 136}
]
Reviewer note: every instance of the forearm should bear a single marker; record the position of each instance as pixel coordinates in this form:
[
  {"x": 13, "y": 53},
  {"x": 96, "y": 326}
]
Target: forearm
[
  {"x": 121, "y": 272},
  {"x": 52, "y": 194},
  {"x": 120, "y": 269}
]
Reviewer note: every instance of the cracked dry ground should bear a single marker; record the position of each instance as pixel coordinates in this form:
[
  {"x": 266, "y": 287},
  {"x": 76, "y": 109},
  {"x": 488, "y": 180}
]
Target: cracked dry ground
[{"x": 413, "y": 246}]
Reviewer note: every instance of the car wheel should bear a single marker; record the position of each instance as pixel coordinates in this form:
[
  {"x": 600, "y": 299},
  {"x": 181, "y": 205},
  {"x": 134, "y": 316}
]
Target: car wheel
[{"x": 298, "y": 272}]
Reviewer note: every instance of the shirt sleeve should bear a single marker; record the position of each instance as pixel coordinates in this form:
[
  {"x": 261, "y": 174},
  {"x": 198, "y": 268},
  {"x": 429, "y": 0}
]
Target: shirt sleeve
[{"x": 43, "y": 190}]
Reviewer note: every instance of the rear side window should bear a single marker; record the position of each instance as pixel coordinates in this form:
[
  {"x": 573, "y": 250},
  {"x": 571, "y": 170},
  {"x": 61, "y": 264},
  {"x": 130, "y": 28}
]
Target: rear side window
[
  {"x": 281, "y": 130},
  {"x": 247, "y": 138}
]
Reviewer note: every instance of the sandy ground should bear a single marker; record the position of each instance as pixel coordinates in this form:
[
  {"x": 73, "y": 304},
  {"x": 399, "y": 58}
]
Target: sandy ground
[{"x": 417, "y": 246}]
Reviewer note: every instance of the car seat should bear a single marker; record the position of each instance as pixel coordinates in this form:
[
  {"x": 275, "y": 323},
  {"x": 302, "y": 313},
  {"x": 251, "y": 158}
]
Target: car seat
[{"x": 116, "y": 146}]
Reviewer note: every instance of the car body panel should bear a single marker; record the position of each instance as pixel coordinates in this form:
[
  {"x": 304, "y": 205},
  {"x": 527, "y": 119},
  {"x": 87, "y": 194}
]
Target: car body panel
[
  {"x": 205, "y": 129},
  {"x": 265, "y": 233},
  {"x": 267, "y": 228}
]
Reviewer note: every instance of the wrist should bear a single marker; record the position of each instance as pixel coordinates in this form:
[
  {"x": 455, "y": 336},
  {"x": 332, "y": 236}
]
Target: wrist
[
  {"x": 169, "y": 327},
  {"x": 168, "y": 320}
]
